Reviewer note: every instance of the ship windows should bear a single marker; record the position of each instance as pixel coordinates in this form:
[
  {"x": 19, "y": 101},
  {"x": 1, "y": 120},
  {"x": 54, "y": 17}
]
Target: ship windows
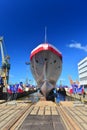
[
  {"x": 45, "y": 59},
  {"x": 59, "y": 67},
  {"x": 54, "y": 61},
  {"x": 37, "y": 61}
]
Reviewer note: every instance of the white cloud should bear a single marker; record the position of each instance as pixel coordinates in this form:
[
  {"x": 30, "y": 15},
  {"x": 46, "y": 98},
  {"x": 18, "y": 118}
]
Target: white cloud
[{"x": 78, "y": 46}]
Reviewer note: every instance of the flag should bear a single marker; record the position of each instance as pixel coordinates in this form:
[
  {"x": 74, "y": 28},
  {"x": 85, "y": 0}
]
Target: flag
[
  {"x": 15, "y": 88},
  {"x": 74, "y": 88},
  {"x": 77, "y": 89},
  {"x": 70, "y": 90},
  {"x": 9, "y": 90},
  {"x": 80, "y": 90},
  {"x": 20, "y": 89}
]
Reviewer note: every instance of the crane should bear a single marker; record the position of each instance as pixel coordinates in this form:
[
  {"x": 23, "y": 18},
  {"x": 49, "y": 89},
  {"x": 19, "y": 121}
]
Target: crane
[{"x": 5, "y": 67}]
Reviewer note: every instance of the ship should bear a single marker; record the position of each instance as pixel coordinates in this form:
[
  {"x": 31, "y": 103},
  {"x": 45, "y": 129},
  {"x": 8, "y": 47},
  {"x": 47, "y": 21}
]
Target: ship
[{"x": 46, "y": 66}]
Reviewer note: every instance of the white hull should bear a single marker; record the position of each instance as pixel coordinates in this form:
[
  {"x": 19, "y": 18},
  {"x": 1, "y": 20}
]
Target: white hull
[{"x": 46, "y": 67}]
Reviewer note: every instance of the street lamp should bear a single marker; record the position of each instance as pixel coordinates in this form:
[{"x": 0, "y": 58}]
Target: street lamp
[
  {"x": 27, "y": 63},
  {"x": 61, "y": 81}
]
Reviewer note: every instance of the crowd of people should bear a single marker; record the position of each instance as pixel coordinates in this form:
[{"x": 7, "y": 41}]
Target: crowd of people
[
  {"x": 61, "y": 94},
  {"x": 13, "y": 90},
  {"x": 10, "y": 91},
  {"x": 57, "y": 94}
]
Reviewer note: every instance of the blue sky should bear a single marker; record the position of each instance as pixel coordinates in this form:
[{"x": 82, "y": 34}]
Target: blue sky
[{"x": 22, "y": 24}]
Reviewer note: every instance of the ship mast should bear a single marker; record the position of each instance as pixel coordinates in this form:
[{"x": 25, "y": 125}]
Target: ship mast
[{"x": 45, "y": 34}]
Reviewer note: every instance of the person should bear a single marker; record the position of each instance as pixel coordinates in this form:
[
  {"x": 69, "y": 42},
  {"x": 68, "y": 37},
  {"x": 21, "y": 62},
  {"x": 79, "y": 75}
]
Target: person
[
  {"x": 1, "y": 87},
  {"x": 9, "y": 92},
  {"x": 15, "y": 88},
  {"x": 51, "y": 95},
  {"x": 61, "y": 94},
  {"x": 84, "y": 93},
  {"x": 1, "y": 81}
]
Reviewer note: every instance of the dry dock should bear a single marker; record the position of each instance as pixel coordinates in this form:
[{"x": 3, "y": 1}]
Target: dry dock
[{"x": 23, "y": 115}]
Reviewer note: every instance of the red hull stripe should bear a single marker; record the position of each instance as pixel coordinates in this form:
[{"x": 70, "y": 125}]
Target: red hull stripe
[{"x": 41, "y": 48}]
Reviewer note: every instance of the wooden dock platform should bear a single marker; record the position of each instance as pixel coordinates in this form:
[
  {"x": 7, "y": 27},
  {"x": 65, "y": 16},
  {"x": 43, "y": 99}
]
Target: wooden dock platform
[
  {"x": 21, "y": 115},
  {"x": 44, "y": 115}
]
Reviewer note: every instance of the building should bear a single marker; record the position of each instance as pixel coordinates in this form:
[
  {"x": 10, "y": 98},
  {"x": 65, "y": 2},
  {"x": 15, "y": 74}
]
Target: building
[{"x": 82, "y": 70}]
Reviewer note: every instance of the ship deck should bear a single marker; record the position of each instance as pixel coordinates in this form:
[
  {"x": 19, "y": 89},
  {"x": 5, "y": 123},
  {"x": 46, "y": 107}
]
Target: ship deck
[{"x": 42, "y": 115}]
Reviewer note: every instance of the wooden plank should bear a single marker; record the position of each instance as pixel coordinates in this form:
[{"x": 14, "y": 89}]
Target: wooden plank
[
  {"x": 41, "y": 110},
  {"x": 45, "y": 103},
  {"x": 69, "y": 122},
  {"x": 57, "y": 123},
  {"x": 11, "y": 120},
  {"x": 47, "y": 110},
  {"x": 54, "y": 111},
  {"x": 67, "y": 103},
  {"x": 35, "y": 110},
  {"x": 2, "y": 101},
  {"x": 13, "y": 116},
  {"x": 21, "y": 119},
  {"x": 36, "y": 122},
  {"x": 7, "y": 119},
  {"x": 43, "y": 115}
]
